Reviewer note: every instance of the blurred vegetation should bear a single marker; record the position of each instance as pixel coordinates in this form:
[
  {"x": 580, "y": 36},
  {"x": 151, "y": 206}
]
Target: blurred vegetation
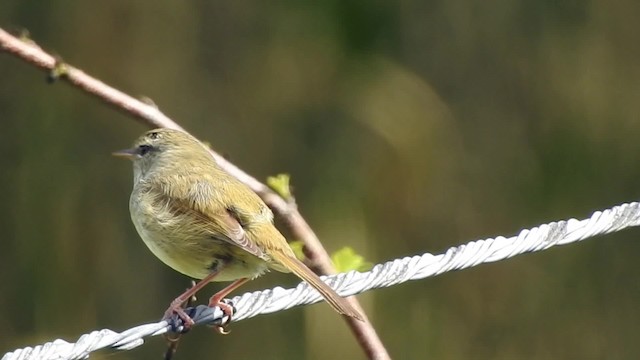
[{"x": 406, "y": 126}]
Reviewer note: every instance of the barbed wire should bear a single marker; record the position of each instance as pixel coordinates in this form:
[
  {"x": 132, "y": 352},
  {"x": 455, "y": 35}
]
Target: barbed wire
[{"x": 382, "y": 275}]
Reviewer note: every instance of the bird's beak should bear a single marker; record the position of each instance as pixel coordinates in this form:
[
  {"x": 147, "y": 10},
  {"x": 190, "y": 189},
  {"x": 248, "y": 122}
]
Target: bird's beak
[{"x": 126, "y": 153}]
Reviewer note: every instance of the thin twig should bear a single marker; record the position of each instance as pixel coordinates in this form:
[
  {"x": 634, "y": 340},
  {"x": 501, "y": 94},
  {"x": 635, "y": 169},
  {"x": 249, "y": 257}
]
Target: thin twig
[{"x": 151, "y": 116}]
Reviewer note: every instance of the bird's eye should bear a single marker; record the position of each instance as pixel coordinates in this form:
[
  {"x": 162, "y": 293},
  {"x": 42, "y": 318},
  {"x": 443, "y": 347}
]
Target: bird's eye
[{"x": 144, "y": 149}]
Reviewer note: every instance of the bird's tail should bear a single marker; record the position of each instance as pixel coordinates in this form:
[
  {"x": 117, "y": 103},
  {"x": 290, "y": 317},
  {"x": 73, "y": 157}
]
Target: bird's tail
[{"x": 337, "y": 302}]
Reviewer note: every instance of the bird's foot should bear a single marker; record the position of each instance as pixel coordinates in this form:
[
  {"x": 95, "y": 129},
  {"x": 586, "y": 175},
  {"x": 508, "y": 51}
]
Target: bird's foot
[
  {"x": 228, "y": 311},
  {"x": 176, "y": 309}
]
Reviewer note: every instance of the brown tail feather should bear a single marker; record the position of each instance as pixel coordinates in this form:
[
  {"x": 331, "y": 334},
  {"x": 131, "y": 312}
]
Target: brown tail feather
[{"x": 337, "y": 302}]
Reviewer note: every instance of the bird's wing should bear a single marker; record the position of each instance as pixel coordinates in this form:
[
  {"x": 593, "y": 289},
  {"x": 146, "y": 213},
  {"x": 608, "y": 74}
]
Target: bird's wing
[{"x": 218, "y": 221}]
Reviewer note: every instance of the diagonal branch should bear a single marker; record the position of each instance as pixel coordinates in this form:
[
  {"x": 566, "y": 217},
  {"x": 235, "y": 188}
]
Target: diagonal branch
[{"x": 151, "y": 116}]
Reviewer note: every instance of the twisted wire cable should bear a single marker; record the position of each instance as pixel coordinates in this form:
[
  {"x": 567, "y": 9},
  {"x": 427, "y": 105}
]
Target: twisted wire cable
[{"x": 382, "y": 275}]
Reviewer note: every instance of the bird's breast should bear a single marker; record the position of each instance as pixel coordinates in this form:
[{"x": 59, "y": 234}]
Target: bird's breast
[{"x": 185, "y": 247}]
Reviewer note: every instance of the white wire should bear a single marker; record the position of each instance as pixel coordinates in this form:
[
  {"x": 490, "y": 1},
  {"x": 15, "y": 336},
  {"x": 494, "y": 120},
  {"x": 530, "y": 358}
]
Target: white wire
[{"x": 351, "y": 283}]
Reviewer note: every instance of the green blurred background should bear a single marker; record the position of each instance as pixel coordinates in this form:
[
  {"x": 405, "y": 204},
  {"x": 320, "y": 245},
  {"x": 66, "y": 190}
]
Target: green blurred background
[{"x": 407, "y": 126}]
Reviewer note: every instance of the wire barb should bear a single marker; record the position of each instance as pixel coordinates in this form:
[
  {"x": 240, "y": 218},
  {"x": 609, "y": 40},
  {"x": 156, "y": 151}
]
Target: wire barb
[{"x": 382, "y": 275}]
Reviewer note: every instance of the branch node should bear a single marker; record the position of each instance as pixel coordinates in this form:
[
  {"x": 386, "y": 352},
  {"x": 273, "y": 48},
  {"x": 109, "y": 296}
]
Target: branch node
[{"x": 59, "y": 70}]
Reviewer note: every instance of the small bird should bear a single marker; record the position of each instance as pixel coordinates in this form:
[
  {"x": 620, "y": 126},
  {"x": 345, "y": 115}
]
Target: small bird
[{"x": 206, "y": 224}]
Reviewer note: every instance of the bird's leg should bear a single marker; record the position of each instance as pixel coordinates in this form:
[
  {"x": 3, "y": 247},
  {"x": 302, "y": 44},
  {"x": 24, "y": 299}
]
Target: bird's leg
[
  {"x": 176, "y": 305},
  {"x": 174, "y": 341},
  {"x": 227, "y": 309},
  {"x": 215, "y": 300}
]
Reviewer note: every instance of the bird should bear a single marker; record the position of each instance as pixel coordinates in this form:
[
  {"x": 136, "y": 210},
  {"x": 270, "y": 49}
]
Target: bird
[{"x": 206, "y": 224}]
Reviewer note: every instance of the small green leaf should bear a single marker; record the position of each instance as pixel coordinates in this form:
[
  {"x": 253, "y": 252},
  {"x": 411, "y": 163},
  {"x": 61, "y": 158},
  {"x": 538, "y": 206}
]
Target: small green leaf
[
  {"x": 280, "y": 184},
  {"x": 297, "y": 246},
  {"x": 346, "y": 259}
]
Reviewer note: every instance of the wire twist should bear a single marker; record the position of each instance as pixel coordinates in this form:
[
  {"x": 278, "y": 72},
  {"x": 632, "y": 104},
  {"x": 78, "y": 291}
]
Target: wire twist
[{"x": 382, "y": 275}]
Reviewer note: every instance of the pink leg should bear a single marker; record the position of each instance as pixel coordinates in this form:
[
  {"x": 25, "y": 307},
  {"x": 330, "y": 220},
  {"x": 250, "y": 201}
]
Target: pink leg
[
  {"x": 215, "y": 300},
  {"x": 176, "y": 305}
]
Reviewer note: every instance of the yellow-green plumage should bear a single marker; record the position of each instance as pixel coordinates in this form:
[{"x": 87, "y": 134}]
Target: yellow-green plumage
[{"x": 198, "y": 219}]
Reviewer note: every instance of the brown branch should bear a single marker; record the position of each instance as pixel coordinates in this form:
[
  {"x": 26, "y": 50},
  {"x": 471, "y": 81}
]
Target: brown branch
[{"x": 151, "y": 116}]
